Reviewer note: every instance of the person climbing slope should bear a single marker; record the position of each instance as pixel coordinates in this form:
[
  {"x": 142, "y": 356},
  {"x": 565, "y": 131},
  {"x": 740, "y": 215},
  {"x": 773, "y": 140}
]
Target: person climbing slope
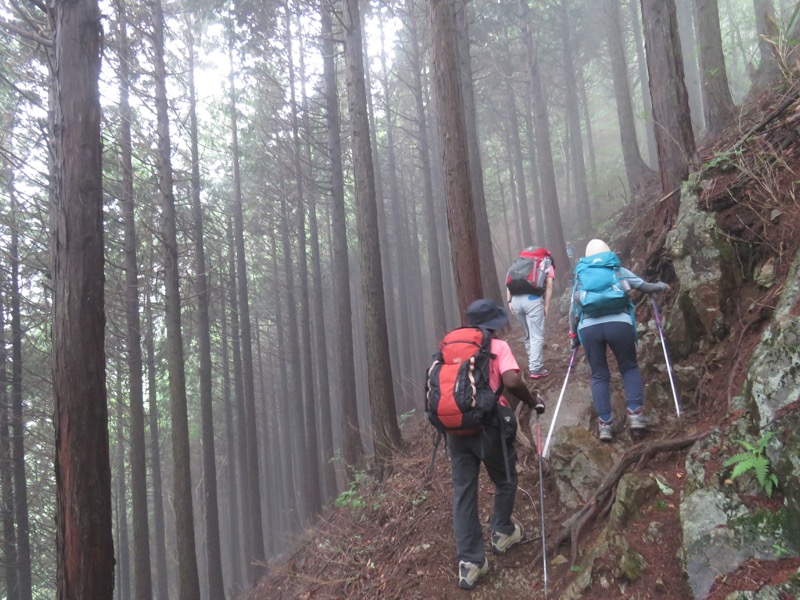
[
  {"x": 602, "y": 317},
  {"x": 487, "y": 439},
  {"x": 529, "y": 286}
]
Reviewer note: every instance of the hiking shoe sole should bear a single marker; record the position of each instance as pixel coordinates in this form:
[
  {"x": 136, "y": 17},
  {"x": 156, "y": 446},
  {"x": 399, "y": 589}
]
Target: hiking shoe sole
[
  {"x": 469, "y": 573},
  {"x": 501, "y": 542}
]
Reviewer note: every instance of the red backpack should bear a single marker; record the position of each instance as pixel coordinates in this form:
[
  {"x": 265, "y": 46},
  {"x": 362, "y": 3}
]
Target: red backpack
[
  {"x": 528, "y": 274},
  {"x": 459, "y": 399}
]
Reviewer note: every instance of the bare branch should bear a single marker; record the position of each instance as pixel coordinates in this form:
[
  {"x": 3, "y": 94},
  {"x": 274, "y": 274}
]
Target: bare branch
[{"x": 28, "y": 35}]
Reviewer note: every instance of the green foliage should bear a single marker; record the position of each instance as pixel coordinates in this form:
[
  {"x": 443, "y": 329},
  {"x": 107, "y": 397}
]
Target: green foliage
[
  {"x": 724, "y": 161},
  {"x": 754, "y": 458},
  {"x": 352, "y": 496},
  {"x": 780, "y": 551}
]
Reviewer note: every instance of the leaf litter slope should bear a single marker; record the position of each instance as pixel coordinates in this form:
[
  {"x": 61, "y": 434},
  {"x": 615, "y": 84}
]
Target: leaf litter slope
[{"x": 395, "y": 540}]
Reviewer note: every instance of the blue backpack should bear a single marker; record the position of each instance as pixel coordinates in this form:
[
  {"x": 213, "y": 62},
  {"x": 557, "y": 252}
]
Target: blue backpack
[{"x": 599, "y": 289}]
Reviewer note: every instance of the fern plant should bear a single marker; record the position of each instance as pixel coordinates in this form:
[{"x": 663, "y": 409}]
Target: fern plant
[{"x": 754, "y": 458}]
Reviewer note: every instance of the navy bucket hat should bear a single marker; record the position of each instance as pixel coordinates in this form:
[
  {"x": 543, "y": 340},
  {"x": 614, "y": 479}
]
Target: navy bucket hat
[{"x": 485, "y": 313}]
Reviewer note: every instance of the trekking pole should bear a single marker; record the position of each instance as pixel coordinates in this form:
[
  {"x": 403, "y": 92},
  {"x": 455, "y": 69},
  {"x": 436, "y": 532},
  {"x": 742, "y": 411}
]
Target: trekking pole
[
  {"x": 657, "y": 315},
  {"x": 558, "y": 405},
  {"x": 541, "y": 500}
]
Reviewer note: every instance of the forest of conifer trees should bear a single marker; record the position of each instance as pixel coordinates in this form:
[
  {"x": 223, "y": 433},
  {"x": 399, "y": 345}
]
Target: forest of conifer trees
[{"x": 232, "y": 233}]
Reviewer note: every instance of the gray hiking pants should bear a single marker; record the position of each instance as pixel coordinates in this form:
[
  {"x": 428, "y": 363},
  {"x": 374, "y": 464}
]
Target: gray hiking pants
[
  {"x": 466, "y": 455},
  {"x": 529, "y": 311}
]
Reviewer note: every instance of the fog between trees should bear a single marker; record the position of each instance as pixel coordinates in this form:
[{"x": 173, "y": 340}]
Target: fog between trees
[{"x": 233, "y": 234}]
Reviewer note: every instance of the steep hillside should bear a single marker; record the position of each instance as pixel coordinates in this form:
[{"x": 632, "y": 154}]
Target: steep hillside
[{"x": 621, "y": 536}]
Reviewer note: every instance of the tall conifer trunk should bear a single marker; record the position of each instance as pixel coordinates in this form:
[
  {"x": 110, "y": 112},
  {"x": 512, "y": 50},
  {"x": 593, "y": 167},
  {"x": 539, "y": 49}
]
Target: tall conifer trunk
[
  {"x": 189, "y": 582},
  {"x": 385, "y": 430},
  {"x": 211, "y": 513},
  {"x": 352, "y": 448},
  {"x": 143, "y": 585},
  {"x": 85, "y": 548},
  {"x": 257, "y": 556}
]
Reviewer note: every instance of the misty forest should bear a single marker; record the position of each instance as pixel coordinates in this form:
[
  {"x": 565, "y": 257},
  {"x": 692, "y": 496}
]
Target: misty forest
[{"x": 233, "y": 233}]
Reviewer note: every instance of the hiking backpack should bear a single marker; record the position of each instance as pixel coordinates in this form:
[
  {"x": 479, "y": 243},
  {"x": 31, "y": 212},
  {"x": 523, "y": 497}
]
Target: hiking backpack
[
  {"x": 528, "y": 273},
  {"x": 599, "y": 288},
  {"x": 459, "y": 399}
]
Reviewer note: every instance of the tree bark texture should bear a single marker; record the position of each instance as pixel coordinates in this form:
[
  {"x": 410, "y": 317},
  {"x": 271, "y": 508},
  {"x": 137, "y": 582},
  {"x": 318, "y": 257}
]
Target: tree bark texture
[
  {"x": 297, "y": 423},
  {"x": 536, "y": 191},
  {"x": 121, "y": 501},
  {"x": 431, "y": 231},
  {"x": 9, "y": 541},
  {"x": 18, "y": 422},
  {"x": 257, "y": 555},
  {"x": 291, "y": 521},
  {"x": 635, "y": 168},
  {"x": 690, "y": 48},
  {"x": 647, "y": 101},
  {"x": 717, "y": 102},
  {"x": 232, "y": 506},
  {"x": 549, "y": 193},
  {"x": 238, "y": 393},
  {"x": 85, "y": 548},
  {"x": 388, "y": 267},
  {"x": 587, "y": 121},
  {"x": 552, "y": 212},
  {"x": 516, "y": 146},
  {"x": 385, "y": 430},
  {"x": 455, "y": 156},
  {"x": 403, "y": 253},
  {"x": 311, "y": 491},
  {"x": 352, "y": 448},
  {"x": 320, "y": 338},
  {"x": 216, "y": 587},
  {"x": 143, "y": 585},
  {"x": 489, "y": 279},
  {"x": 583, "y": 210},
  {"x": 189, "y": 582},
  {"x": 159, "y": 529},
  {"x": 674, "y": 137}
]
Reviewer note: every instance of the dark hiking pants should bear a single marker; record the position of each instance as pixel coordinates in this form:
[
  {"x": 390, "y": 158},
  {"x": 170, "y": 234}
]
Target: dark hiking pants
[
  {"x": 466, "y": 455},
  {"x": 621, "y": 338}
]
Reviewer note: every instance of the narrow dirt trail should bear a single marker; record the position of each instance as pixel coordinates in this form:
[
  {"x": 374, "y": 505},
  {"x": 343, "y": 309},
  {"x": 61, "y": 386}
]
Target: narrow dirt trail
[{"x": 576, "y": 403}]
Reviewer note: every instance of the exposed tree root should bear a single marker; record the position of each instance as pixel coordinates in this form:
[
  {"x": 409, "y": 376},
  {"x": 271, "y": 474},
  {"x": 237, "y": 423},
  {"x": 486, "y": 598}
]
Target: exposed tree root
[{"x": 602, "y": 500}]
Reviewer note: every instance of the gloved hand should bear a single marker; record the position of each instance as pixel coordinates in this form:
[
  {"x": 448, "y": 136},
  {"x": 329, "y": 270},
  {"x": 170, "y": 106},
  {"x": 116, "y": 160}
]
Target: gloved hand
[
  {"x": 539, "y": 403},
  {"x": 664, "y": 287},
  {"x": 574, "y": 340}
]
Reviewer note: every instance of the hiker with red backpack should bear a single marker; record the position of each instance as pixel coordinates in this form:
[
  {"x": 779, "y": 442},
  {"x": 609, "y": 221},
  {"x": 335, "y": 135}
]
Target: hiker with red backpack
[
  {"x": 529, "y": 286},
  {"x": 464, "y": 400},
  {"x": 602, "y": 317}
]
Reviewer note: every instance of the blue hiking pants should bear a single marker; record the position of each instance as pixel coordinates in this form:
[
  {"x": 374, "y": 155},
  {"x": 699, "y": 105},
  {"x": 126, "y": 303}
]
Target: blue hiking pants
[{"x": 621, "y": 338}]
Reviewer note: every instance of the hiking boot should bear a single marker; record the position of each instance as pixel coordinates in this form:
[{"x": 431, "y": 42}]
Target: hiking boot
[
  {"x": 637, "y": 419},
  {"x": 540, "y": 373},
  {"x": 501, "y": 542},
  {"x": 469, "y": 572},
  {"x": 606, "y": 429}
]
